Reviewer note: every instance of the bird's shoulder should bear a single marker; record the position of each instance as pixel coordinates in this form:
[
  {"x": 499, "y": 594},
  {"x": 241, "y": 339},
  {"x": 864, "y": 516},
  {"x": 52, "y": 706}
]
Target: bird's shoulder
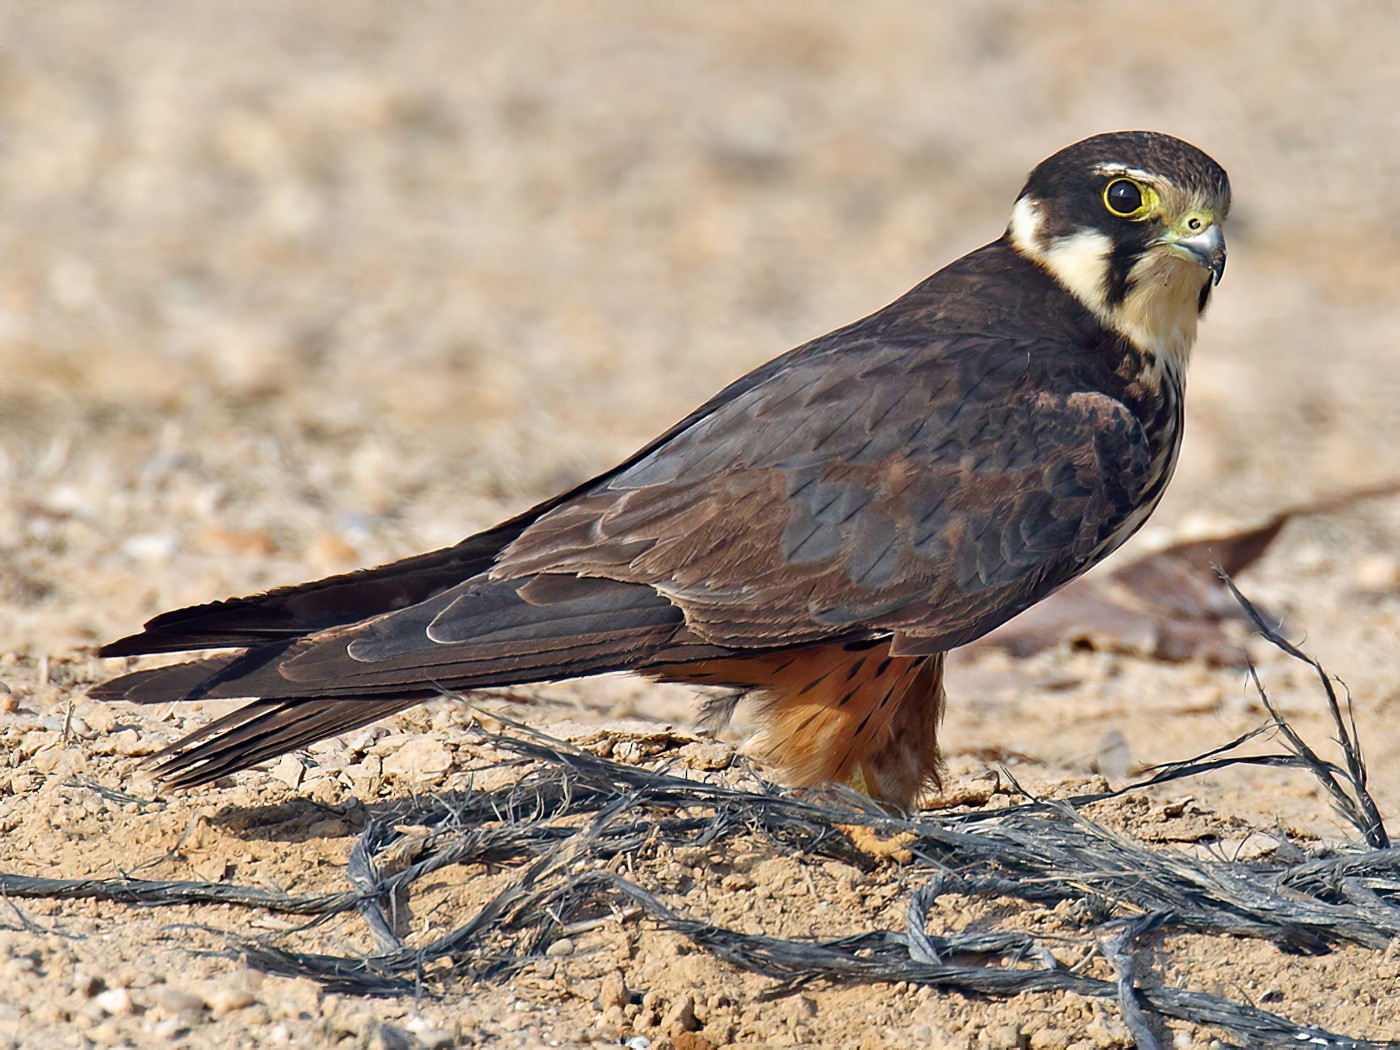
[{"x": 865, "y": 460}]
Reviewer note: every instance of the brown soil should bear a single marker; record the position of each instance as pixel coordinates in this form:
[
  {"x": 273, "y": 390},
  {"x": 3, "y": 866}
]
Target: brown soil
[{"x": 291, "y": 287}]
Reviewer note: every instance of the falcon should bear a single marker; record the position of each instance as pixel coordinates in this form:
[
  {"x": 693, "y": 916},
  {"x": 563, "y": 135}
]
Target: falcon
[{"x": 816, "y": 536}]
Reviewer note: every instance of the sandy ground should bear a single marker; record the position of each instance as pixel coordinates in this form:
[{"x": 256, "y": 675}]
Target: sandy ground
[{"x": 287, "y": 288}]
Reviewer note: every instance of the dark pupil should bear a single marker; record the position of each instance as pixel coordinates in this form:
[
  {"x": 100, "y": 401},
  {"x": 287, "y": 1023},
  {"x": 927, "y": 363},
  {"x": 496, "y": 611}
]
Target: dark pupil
[{"x": 1124, "y": 197}]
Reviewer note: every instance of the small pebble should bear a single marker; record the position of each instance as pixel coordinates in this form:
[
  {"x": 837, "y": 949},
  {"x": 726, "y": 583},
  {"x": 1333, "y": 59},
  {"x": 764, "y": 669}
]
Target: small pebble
[
  {"x": 175, "y": 1000},
  {"x": 429, "y": 1037},
  {"x": 421, "y": 757},
  {"x": 681, "y": 1016},
  {"x": 114, "y": 1001},
  {"x": 124, "y": 742},
  {"x": 289, "y": 770},
  {"x": 223, "y": 1001},
  {"x": 613, "y": 992},
  {"x": 47, "y": 759},
  {"x": 167, "y": 1029}
]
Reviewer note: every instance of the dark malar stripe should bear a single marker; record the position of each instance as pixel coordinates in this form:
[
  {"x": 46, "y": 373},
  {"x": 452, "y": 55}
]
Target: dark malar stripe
[{"x": 1121, "y": 261}]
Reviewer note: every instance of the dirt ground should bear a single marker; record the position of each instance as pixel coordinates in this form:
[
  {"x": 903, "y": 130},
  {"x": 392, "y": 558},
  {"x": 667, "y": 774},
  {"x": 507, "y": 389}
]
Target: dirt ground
[{"x": 287, "y": 288}]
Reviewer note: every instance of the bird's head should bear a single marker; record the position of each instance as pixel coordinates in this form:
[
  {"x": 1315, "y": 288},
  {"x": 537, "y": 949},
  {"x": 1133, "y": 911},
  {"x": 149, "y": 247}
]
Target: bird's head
[{"x": 1130, "y": 223}]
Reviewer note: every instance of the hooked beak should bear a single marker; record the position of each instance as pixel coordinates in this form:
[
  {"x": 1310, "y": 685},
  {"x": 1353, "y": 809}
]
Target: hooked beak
[{"x": 1206, "y": 249}]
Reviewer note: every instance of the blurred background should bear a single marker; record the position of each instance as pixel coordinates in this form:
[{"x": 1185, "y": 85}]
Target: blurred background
[{"x": 287, "y": 288}]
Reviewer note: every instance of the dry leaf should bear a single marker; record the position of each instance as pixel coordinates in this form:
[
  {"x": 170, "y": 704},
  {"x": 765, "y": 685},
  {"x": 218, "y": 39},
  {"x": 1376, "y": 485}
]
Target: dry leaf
[{"x": 1170, "y": 605}]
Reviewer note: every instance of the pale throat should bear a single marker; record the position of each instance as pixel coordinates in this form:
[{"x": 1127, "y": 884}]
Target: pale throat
[{"x": 1161, "y": 309}]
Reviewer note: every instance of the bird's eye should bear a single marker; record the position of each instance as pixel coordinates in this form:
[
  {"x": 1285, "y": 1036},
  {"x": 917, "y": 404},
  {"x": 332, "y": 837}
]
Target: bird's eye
[{"x": 1124, "y": 198}]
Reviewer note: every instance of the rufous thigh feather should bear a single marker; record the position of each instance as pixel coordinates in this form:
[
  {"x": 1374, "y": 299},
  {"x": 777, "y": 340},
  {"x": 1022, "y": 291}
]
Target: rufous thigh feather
[{"x": 840, "y": 712}]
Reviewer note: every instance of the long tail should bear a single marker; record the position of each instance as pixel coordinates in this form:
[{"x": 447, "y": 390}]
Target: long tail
[
  {"x": 475, "y": 634},
  {"x": 291, "y": 612}
]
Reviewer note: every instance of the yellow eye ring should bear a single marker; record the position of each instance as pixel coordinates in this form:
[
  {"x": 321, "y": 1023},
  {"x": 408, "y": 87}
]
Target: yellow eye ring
[{"x": 1127, "y": 198}]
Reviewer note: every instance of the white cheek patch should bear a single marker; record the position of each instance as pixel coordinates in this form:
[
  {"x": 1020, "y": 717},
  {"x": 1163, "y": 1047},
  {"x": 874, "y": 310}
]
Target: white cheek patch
[
  {"x": 1025, "y": 226},
  {"x": 1080, "y": 263}
]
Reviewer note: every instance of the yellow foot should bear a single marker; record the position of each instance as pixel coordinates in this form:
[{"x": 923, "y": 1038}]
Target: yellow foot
[
  {"x": 867, "y": 839},
  {"x": 872, "y": 844},
  {"x": 857, "y": 782}
]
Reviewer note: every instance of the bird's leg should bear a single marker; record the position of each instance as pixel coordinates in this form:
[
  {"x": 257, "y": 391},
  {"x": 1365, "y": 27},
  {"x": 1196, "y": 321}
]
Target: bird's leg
[{"x": 841, "y": 713}]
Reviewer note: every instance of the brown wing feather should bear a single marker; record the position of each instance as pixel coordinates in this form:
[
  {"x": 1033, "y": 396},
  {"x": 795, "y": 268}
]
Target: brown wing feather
[{"x": 788, "y": 517}]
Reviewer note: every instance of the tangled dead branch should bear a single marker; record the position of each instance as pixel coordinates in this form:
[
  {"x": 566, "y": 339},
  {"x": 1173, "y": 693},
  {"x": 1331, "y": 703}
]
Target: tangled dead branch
[{"x": 559, "y": 828}]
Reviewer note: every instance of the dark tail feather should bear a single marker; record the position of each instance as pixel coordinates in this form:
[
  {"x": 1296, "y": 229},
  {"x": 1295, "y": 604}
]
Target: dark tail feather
[
  {"x": 498, "y": 637},
  {"x": 290, "y": 612},
  {"x": 478, "y": 634},
  {"x": 159, "y": 685},
  {"x": 196, "y": 680},
  {"x": 263, "y": 730}
]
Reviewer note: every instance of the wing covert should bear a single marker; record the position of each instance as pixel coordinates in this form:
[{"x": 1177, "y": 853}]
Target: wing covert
[{"x": 931, "y": 490}]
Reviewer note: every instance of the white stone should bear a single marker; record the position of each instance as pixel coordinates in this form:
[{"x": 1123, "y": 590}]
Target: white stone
[{"x": 420, "y": 757}]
